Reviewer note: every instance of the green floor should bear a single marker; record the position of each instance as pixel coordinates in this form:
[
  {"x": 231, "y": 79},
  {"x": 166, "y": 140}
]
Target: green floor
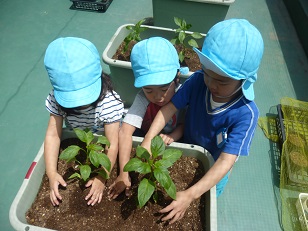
[{"x": 27, "y": 27}]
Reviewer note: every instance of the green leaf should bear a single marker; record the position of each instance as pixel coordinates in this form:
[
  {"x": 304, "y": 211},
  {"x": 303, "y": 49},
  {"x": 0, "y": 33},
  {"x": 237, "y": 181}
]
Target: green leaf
[
  {"x": 182, "y": 36},
  {"x": 104, "y": 161},
  {"x": 129, "y": 27},
  {"x": 157, "y": 146},
  {"x": 145, "y": 191},
  {"x": 171, "y": 191},
  {"x": 82, "y": 135},
  {"x": 178, "y": 30},
  {"x": 95, "y": 147},
  {"x": 177, "y": 21},
  {"x": 93, "y": 155},
  {"x": 183, "y": 24},
  {"x": 193, "y": 43},
  {"x": 142, "y": 152},
  {"x": 69, "y": 153},
  {"x": 170, "y": 156},
  {"x": 173, "y": 41},
  {"x": 163, "y": 177},
  {"x": 75, "y": 175},
  {"x": 181, "y": 56},
  {"x": 197, "y": 35},
  {"x": 85, "y": 171},
  {"x": 137, "y": 165},
  {"x": 89, "y": 137},
  {"x": 103, "y": 174},
  {"x": 103, "y": 140}
]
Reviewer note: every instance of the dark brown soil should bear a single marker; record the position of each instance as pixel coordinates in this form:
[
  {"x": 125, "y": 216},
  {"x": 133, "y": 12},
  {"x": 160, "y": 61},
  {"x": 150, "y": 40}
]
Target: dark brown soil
[
  {"x": 120, "y": 214},
  {"x": 191, "y": 61}
]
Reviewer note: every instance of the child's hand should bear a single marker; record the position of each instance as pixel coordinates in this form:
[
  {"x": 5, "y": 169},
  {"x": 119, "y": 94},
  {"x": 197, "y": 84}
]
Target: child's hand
[
  {"x": 167, "y": 139},
  {"x": 55, "y": 179},
  {"x": 97, "y": 190},
  {"x": 121, "y": 183}
]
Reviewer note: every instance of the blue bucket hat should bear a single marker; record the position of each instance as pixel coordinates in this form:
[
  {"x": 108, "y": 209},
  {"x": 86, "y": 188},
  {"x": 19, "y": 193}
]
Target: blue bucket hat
[
  {"x": 74, "y": 69},
  {"x": 155, "y": 61},
  {"x": 233, "y": 48}
]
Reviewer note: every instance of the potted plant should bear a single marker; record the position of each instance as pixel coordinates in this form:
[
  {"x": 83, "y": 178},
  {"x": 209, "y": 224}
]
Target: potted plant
[
  {"x": 31, "y": 186},
  {"x": 121, "y": 71},
  {"x": 203, "y": 14}
]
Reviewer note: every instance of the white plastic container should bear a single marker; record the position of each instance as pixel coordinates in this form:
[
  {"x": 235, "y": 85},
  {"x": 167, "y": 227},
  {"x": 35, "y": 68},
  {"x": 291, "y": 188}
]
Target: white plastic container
[
  {"x": 31, "y": 184},
  {"x": 121, "y": 71},
  {"x": 302, "y": 210}
]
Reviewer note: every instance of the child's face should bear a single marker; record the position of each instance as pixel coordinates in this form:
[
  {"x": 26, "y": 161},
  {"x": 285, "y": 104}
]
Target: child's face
[
  {"x": 161, "y": 94},
  {"x": 223, "y": 89}
]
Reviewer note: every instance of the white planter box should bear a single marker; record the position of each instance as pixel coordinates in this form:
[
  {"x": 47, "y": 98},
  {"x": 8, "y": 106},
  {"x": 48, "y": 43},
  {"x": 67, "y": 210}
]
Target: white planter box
[
  {"x": 302, "y": 210},
  {"x": 31, "y": 184},
  {"x": 121, "y": 71},
  {"x": 201, "y": 14}
]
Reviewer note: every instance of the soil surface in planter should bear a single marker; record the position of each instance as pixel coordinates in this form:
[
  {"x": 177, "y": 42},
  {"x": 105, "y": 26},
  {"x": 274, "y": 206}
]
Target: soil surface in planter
[
  {"x": 191, "y": 58},
  {"x": 120, "y": 214}
]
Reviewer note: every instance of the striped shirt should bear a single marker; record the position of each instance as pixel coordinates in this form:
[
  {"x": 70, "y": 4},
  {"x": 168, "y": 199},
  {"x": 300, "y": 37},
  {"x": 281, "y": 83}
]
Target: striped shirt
[{"x": 107, "y": 111}]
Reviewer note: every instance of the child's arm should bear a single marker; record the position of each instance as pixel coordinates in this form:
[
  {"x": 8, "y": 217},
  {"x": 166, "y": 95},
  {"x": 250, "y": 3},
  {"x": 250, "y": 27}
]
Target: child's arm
[
  {"x": 98, "y": 183},
  {"x": 51, "y": 153},
  {"x": 183, "y": 199},
  {"x": 125, "y": 147}
]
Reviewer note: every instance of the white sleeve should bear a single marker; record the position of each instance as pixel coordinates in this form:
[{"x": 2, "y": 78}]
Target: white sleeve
[{"x": 137, "y": 111}]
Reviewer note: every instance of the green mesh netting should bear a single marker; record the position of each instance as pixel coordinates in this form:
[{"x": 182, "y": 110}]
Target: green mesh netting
[
  {"x": 294, "y": 162},
  {"x": 292, "y": 133}
]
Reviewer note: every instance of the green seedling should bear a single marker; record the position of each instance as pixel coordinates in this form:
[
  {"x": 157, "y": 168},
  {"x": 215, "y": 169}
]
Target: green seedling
[
  {"x": 155, "y": 170},
  {"x": 96, "y": 161},
  {"x": 181, "y": 37},
  {"x": 134, "y": 35}
]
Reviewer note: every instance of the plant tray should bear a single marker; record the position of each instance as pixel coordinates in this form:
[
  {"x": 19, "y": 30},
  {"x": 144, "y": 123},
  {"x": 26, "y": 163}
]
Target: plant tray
[
  {"x": 295, "y": 125},
  {"x": 302, "y": 210},
  {"x": 31, "y": 185},
  {"x": 91, "y": 5}
]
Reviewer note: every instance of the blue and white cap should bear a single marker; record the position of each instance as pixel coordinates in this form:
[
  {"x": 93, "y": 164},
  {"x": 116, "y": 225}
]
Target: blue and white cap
[
  {"x": 233, "y": 48},
  {"x": 74, "y": 69},
  {"x": 155, "y": 61}
]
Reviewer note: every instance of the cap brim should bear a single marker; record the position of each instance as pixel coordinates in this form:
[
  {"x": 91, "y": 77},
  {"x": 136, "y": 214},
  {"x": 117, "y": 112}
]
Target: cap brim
[
  {"x": 247, "y": 87},
  {"x": 80, "y": 97},
  {"x": 209, "y": 64},
  {"x": 158, "y": 78}
]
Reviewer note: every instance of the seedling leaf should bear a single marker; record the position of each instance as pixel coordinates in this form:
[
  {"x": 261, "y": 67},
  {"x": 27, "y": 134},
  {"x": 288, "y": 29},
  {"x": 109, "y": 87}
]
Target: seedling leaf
[
  {"x": 75, "y": 175},
  {"x": 103, "y": 140},
  {"x": 69, "y": 153},
  {"x": 85, "y": 171},
  {"x": 94, "y": 158},
  {"x": 137, "y": 165},
  {"x": 145, "y": 191},
  {"x": 104, "y": 161},
  {"x": 142, "y": 152},
  {"x": 157, "y": 146},
  {"x": 162, "y": 176}
]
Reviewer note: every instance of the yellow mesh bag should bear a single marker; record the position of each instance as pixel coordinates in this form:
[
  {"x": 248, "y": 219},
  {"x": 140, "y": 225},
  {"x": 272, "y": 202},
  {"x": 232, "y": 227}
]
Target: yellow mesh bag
[{"x": 293, "y": 131}]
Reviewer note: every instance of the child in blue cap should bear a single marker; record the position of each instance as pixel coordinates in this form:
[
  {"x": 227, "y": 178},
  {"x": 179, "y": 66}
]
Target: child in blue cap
[
  {"x": 83, "y": 97},
  {"x": 221, "y": 114},
  {"x": 155, "y": 64}
]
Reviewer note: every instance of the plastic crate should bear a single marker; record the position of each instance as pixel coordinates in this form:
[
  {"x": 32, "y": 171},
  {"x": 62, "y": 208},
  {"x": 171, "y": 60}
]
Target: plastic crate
[
  {"x": 302, "y": 210},
  {"x": 297, "y": 123},
  {"x": 91, "y": 5}
]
